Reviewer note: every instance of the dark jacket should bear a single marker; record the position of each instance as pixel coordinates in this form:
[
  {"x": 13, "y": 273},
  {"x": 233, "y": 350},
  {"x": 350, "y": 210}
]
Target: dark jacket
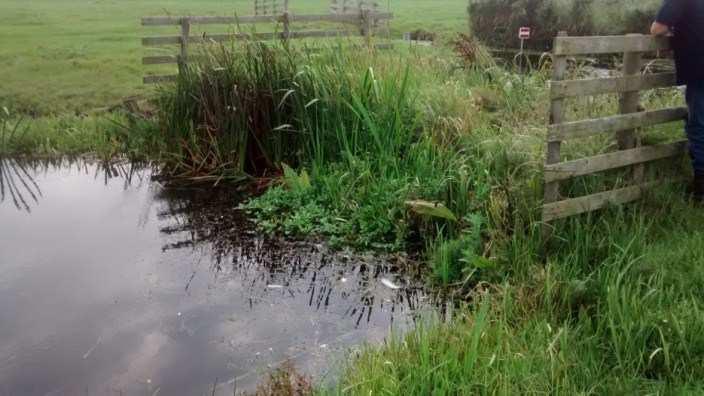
[{"x": 686, "y": 20}]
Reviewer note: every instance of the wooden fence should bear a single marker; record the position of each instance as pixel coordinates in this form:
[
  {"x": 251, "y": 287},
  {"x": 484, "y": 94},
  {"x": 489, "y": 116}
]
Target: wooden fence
[
  {"x": 626, "y": 125},
  {"x": 352, "y": 6},
  {"x": 363, "y": 23}
]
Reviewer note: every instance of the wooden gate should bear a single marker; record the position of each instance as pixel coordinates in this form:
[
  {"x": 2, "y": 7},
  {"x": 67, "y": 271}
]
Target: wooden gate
[
  {"x": 625, "y": 125},
  {"x": 362, "y": 25}
]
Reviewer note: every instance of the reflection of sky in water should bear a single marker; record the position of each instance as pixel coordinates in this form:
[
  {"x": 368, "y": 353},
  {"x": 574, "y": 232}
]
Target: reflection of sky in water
[{"x": 103, "y": 290}]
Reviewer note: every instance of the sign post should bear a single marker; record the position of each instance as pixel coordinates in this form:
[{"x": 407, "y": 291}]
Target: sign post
[{"x": 524, "y": 34}]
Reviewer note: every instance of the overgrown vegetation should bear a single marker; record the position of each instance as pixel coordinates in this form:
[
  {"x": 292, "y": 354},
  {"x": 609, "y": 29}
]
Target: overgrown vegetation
[
  {"x": 354, "y": 127},
  {"x": 496, "y": 22},
  {"x": 614, "y": 310},
  {"x": 440, "y": 155}
]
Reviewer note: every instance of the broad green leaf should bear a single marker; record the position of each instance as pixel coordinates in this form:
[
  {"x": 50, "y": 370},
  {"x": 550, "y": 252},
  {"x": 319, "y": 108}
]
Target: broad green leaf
[{"x": 431, "y": 209}]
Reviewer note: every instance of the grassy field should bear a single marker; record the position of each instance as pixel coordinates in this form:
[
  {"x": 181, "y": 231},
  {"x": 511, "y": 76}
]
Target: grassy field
[{"x": 74, "y": 56}]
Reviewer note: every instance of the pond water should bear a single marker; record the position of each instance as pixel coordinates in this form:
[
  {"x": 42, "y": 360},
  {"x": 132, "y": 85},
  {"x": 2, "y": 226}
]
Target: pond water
[{"x": 111, "y": 284}]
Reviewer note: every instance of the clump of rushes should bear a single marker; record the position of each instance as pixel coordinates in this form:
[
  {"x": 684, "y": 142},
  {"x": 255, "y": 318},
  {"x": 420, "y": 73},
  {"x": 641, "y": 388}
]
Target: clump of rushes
[
  {"x": 366, "y": 136},
  {"x": 247, "y": 108}
]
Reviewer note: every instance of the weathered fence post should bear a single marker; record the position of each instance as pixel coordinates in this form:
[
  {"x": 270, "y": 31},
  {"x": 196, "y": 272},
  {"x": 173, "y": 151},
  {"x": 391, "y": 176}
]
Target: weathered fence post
[
  {"x": 366, "y": 20},
  {"x": 185, "y": 34},
  {"x": 629, "y": 102},
  {"x": 552, "y": 189},
  {"x": 286, "y": 26}
]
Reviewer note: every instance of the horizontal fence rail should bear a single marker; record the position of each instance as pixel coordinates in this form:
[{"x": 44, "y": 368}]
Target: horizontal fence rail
[
  {"x": 590, "y": 203},
  {"x": 615, "y": 160},
  {"x": 626, "y": 126},
  {"x": 219, "y": 38},
  {"x": 364, "y": 20},
  {"x": 598, "y": 86},
  {"x": 234, "y": 20},
  {"x": 623, "y": 122},
  {"x": 598, "y": 45}
]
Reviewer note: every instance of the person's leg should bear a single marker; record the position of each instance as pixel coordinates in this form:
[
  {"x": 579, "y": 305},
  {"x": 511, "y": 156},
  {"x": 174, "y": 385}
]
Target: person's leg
[{"x": 695, "y": 133}]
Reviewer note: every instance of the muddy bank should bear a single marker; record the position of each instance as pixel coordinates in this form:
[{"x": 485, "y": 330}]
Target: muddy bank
[{"x": 111, "y": 283}]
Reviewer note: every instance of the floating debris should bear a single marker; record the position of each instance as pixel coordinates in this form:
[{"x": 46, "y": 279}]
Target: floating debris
[
  {"x": 90, "y": 351},
  {"x": 389, "y": 284}
]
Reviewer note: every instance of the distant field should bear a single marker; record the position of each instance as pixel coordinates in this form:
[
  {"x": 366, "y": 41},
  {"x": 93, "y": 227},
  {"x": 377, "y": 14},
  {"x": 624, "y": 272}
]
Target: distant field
[{"x": 77, "y": 55}]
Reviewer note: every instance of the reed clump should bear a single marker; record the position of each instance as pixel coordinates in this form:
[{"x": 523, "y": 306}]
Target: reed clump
[{"x": 247, "y": 108}]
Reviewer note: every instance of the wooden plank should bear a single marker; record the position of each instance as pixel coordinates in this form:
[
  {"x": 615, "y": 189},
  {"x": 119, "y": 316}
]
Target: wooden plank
[
  {"x": 581, "y": 129},
  {"x": 159, "y": 79},
  {"x": 321, "y": 33},
  {"x": 161, "y": 40},
  {"x": 208, "y": 38},
  {"x": 384, "y": 46},
  {"x": 169, "y": 59},
  {"x": 614, "y": 160},
  {"x": 598, "y": 86},
  {"x": 379, "y": 46},
  {"x": 209, "y": 20},
  {"x": 160, "y": 21},
  {"x": 176, "y": 20},
  {"x": 160, "y": 60},
  {"x": 609, "y": 44},
  {"x": 219, "y": 38},
  {"x": 173, "y": 59},
  {"x": 590, "y": 203},
  {"x": 233, "y": 20}
]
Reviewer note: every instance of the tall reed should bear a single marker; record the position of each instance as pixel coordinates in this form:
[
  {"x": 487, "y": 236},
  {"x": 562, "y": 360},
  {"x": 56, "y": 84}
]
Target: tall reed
[{"x": 248, "y": 107}]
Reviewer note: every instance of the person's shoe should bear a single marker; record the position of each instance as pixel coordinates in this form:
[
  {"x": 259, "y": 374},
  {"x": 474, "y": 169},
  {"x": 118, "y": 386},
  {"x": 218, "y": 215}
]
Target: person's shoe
[{"x": 697, "y": 189}]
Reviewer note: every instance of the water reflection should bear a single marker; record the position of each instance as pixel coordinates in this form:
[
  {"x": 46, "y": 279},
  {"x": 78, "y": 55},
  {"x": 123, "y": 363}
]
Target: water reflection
[
  {"x": 17, "y": 184},
  {"x": 209, "y": 218},
  {"x": 115, "y": 284}
]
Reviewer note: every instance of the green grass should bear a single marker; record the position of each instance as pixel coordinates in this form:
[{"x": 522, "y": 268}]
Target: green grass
[
  {"x": 75, "y": 56},
  {"x": 616, "y": 309},
  {"x": 103, "y": 136}
]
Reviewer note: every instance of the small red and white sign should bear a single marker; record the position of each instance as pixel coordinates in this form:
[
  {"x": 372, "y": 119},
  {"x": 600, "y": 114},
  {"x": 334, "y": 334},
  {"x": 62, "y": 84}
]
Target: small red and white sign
[{"x": 524, "y": 33}]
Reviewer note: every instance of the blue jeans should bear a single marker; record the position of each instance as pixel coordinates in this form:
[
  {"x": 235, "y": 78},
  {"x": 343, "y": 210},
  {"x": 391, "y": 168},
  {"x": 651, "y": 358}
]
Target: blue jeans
[{"x": 695, "y": 125}]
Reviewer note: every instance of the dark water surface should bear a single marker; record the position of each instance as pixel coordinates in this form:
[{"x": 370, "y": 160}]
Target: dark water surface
[{"x": 111, "y": 284}]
